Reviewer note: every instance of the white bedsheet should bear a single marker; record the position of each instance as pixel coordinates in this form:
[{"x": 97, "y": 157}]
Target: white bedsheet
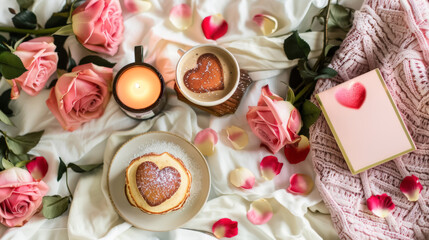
[{"x": 91, "y": 215}]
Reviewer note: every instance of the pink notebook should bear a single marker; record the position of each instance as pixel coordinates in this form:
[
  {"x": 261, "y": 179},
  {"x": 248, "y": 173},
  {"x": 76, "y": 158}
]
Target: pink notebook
[{"x": 365, "y": 122}]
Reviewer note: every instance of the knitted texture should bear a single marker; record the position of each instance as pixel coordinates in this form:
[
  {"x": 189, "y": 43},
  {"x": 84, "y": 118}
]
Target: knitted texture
[{"x": 392, "y": 35}]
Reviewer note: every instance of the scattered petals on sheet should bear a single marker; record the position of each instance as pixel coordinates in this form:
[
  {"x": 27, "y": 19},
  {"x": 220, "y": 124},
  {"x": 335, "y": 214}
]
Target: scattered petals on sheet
[
  {"x": 38, "y": 167},
  {"x": 205, "y": 141},
  {"x": 268, "y": 24},
  {"x": 297, "y": 152},
  {"x": 242, "y": 178},
  {"x": 411, "y": 188},
  {"x": 270, "y": 167},
  {"x": 260, "y": 212},
  {"x": 137, "y": 6},
  {"x": 181, "y": 16},
  {"x": 380, "y": 205},
  {"x": 225, "y": 227},
  {"x": 300, "y": 184},
  {"x": 238, "y": 137},
  {"x": 214, "y": 26}
]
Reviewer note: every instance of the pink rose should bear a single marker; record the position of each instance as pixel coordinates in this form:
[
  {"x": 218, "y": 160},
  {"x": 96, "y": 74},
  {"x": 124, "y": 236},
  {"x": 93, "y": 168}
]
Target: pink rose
[
  {"x": 20, "y": 196},
  {"x": 81, "y": 95},
  {"x": 98, "y": 25},
  {"x": 274, "y": 121},
  {"x": 40, "y": 59}
]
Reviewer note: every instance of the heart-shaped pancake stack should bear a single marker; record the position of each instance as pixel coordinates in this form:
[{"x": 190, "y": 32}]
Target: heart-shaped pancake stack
[
  {"x": 207, "y": 76},
  {"x": 157, "y": 184}
]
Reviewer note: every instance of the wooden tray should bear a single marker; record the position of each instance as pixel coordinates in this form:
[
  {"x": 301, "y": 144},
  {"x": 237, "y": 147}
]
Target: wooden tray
[{"x": 228, "y": 107}]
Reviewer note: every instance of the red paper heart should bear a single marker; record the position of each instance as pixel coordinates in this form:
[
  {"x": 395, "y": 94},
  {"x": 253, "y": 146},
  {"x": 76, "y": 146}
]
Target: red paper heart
[
  {"x": 352, "y": 97},
  {"x": 207, "y": 76},
  {"x": 155, "y": 185}
]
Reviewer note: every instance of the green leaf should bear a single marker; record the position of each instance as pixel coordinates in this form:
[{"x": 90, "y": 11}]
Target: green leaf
[
  {"x": 304, "y": 131},
  {"x": 97, "y": 61},
  {"x": 5, "y": 119},
  {"x": 290, "y": 95},
  {"x": 11, "y": 65},
  {"x": 6, "y": 164},
  {"x": 3, "y": 147},
  {"x": 23, "y": 144},
  {"x": 67, "y": 30},
  {"x": 326, "y": 73},
  {"x": 54, "y": 206},
  {"x": 4, "y": 102},
  {"x": 3, "y": 42},
  {"x": 61, "y": 170},
  {"x": 22, "y": 163},
  {"x": 309, "y": 113},
  {"x": 340, "y": 17},
  {"x": 25, "y": 19},
  {"x": 305, "y": 71},
  {"x": 15, "y": 159},
  {"x": 25, "y": 3},
  {"x": 295, "y": 47},
  {"x": 83, "y": 168},
  {"x": 57, "y": 19}
]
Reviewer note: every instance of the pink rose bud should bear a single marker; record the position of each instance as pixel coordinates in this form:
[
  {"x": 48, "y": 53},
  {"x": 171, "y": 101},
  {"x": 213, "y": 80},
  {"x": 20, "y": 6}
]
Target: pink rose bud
[
  {"x": 40, "y": 59},
  {"x": 411, "y": 188},
  {"x": 297, "y": 152},
  {"x": 300, "y": 184},
  {"x": 20, "y": 196},
  {"x": 225, "y": 227},
  {"x": 98, "y": 25},
  {"x": 380, "y": 205},
  {"x": 214, "y": 26},
  {"x": 81, "y": 95},
  {"x": 274, "y": 121},
  {"x": 270, "y": 167},
  {"x": 38, "y": 167}
]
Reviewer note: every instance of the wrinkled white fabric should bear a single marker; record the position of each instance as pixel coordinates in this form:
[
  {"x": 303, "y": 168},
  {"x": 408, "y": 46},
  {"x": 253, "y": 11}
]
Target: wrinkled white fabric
[{"x": 91, "y": 215}]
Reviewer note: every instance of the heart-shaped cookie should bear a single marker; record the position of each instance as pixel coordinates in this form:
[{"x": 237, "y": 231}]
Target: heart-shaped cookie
[
  {"x": 207, "y": 76},
  {"x": 157, "y": 185},
  {"x": 352, "y": 97}
]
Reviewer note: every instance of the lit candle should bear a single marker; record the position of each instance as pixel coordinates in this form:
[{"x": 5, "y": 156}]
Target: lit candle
[{"x": 138, "y": 88}]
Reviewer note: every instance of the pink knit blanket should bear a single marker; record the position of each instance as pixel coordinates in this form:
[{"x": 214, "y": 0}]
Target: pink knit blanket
[{"x": 392, "y": 35}]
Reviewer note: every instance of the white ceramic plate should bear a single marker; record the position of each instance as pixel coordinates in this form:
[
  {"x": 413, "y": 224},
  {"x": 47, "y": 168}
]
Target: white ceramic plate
[{"x": 159, "y": 142}]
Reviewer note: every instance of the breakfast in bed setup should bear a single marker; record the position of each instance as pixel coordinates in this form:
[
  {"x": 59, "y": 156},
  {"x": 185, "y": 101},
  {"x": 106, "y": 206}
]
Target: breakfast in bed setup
[{"x": 143, "y": 119}]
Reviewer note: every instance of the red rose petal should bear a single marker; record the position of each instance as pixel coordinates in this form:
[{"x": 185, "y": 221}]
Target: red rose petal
[
  {"x": 225, "y": 227},
  {"x": 270, "y": 167},
  {"x": 300, "y": 184},
  {"x": 214, "y": 26},
  {"x": 380, "y": 205},
  {"x": 38, "y": 167},
  {"x": 297, "y": 152},
  {"x": 411, "y": 188}
]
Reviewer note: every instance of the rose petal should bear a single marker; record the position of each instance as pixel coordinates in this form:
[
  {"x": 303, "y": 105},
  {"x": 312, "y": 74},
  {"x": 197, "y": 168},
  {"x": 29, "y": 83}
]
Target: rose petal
[
  {"x": 181, "y": 16},
  {"x": 38, "y": 167},
  {"x": 205, "y": 141},
  {"x": 135, "y": 6},
  {"x": 411, "y": 187},
  {"x": 297, "y": 152},
  {"x": 380, "y": 205},
  {"x": 260, "y": 212},
  {"x": 270, "y": 167},
  {"x": 268, "y": 24},
  {"x": 238, "y": 137},
  {"x": 214, "y": 26},
  {"x": 300, "y": 184},
  {"x": 242, "y": 178},
  {"x": 225, "y": 227}
]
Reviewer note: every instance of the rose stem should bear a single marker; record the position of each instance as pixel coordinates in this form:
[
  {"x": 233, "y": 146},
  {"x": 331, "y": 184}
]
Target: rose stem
[
  {"x": 67, "y": 184},
  {"x": 30, "y": 31}
]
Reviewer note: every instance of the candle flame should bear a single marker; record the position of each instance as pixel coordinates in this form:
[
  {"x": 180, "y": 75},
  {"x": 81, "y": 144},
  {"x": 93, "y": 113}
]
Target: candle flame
[{"x": 137, "y": 85}]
